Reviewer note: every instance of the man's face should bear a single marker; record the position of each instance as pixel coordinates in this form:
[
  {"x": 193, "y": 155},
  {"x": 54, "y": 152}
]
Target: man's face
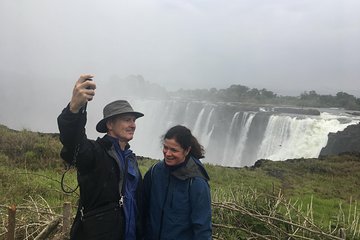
[{"x": 122, "y": 127}]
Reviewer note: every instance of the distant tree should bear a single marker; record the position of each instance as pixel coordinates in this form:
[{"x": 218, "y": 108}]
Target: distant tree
[
  {"x": 221, "y": 95},
  {"x": 213, "y": 91},
  {"x": 311, "y": 95},
  {"x": 328, "y": 101},
  {"x": 357, "y": 104},
  {"x": 213, "y": 94},
  {"x": 267, "y": 94},
  {"x": 236, "y": 92},
  {"x": 309, "y": 99},
  {"x": 346, "y": 100},
  {"x": 254, "y": 93},
  {"x": 201, "y": 94}
]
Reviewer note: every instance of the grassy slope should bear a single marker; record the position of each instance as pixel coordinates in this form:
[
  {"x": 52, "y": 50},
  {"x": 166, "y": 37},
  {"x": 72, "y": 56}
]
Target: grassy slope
[{"x": 29, "y": 169}]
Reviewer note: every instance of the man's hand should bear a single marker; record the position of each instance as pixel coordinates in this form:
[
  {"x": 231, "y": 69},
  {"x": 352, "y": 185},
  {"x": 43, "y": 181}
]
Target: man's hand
[{"x": 83, "y": 92}]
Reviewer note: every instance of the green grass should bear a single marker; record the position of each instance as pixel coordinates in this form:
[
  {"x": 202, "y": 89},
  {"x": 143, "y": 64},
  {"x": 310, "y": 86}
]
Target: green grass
[
  {"x": 19, "y": 184},
  {"x": 324, "y": 191}
]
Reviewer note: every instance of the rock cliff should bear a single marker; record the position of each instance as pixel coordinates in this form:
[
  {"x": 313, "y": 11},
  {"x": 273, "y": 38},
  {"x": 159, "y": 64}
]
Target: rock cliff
[{"x": 344, "y": 141}]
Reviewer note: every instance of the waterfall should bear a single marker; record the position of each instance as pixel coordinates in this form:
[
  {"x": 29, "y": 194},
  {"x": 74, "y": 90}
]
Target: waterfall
[
  {"x": 230, "y": 139},
  {"x": 292, "y": 137},
  {"x": 241, "y": 141},
  {"x": 197, "y": 128},
  {"x": 236, "y": 138},
  {"x": 206, "y": 133},
  {"x": 236, "y": 135}
]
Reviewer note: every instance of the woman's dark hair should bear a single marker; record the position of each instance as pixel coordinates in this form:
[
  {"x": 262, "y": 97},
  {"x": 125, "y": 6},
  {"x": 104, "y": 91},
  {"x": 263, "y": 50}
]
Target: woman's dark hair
[{"x": 183, "y": 136}]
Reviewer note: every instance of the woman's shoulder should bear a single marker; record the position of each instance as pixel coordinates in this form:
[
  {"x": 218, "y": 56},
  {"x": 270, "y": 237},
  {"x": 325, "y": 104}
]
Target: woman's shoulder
[
  {"x": 199, "y": 181},
  {"x": 155, "y": 167},
  {"x": 199, "y": 187}
]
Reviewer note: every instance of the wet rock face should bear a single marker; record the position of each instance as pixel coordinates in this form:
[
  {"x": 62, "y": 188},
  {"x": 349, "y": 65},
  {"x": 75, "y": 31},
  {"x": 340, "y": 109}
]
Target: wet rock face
[{"x": 344, "y": 141}]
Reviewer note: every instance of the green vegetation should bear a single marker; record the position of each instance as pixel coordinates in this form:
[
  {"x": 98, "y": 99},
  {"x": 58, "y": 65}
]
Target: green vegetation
[
  {"x": 293, "y": 199},
  {"x": 243, "y": 94}
]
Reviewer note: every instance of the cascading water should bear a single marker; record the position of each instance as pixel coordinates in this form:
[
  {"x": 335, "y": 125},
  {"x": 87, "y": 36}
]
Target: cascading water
[
  {"x": 236, "y": 135},
  {"x": 236, "y": 138}
]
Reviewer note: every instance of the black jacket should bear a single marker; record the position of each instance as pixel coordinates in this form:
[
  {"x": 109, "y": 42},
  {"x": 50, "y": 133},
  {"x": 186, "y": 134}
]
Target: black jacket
[{"x": 98, "y": 171}]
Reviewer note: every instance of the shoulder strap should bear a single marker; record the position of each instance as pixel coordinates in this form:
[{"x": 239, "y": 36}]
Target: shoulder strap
[
  {"x": 152, "y": 169},
  {"x": 152, "y": 172}
]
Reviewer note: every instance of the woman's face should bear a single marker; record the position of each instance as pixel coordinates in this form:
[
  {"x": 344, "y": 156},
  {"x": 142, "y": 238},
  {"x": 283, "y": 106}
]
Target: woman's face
[{"x": 174, "y": 154}]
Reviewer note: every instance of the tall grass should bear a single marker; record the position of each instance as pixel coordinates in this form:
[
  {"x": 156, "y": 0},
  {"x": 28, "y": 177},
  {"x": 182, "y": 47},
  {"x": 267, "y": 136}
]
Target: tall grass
[
  {"x": 248, "y": 214},
  {"x": 294, "y": 199}
]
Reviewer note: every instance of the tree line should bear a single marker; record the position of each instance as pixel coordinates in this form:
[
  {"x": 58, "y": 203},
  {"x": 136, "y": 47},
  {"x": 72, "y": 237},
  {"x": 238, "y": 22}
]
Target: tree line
[
  {"x": 137, "y": 86},
  {"x": 240, "y": 93}
]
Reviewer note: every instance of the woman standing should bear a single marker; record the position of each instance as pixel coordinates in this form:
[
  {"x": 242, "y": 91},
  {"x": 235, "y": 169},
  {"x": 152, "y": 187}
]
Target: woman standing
[{"x": 177, "y": 193}]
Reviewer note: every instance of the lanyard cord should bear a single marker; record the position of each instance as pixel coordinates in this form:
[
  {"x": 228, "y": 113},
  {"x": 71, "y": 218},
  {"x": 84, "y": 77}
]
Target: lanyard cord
[
  {"x": 73, "y": 163},
  {"x": 67, "y": 168}
]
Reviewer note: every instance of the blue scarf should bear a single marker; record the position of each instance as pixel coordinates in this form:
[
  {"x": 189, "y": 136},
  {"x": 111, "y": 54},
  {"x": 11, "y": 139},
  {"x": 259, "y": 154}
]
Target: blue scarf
[{"x": 132, "y": 179}]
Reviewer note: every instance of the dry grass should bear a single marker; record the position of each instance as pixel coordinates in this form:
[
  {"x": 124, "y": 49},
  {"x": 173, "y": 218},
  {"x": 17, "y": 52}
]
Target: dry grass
[{"x": 32, "y": 218}]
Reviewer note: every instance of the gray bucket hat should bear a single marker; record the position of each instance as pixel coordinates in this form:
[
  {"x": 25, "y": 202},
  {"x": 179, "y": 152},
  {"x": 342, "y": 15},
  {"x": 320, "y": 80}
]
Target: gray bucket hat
[{"x": 115, "y": 108}]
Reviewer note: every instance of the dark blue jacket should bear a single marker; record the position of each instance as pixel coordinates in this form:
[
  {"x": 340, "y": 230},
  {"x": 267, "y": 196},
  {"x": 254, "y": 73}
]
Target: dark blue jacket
[{"x": 178, "y": 202}]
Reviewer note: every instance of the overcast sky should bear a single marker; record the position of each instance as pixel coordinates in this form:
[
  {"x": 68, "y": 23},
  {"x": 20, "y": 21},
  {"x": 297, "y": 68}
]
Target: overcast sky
[{"x": 286, "y": 46}]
